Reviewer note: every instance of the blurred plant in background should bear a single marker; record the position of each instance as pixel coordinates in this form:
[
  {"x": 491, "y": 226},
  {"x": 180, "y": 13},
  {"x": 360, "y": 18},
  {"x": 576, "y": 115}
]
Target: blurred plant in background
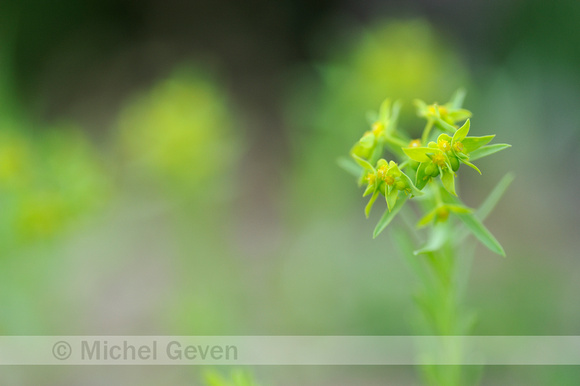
[
  {"x": 48, "y": 181},
  {"x": 180, "y": 145},
  {"x": 51, "y": 183},
  {"x": 181, "y": 134},
  {"x": 236, "y": 378}
]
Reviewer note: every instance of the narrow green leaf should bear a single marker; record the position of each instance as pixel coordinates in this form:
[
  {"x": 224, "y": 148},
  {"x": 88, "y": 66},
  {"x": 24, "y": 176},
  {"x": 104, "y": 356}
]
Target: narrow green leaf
[
  {"x": 436, "y": 240},
  {"x": 459, "y": 208},
  {"x": 372, "y": 117},
  {"x": 369, "y": 189},
  {"x": 377, "y": 152},
  {"x": 461, "y": 133},
  {"x": 370, "y": 204},
  {"x": 362, "y": 162},
  {"x": 457, "y": 99},
  {"x": 388, "y": 216},
  {"x": 460, "y": 114},
  {"x": 445, "y": 126},
  {"x": 419, "y": 154},
  {"x": 471, "y": 165},
  {"x": 448, "y": 180},
  {"x": 487, "y": 150},
  {"x": 481, "y": 232},
  {"x": 384, "y": 111},
  {"x": 394, "y": 120},
  {"x": 367, "y": 141},
  {"x": 473, "y": 143},
  {"x": 425, "y": 220},
  {"x": 493, "y": 198},
  {"x": 349, "y": 166},
  {"x": 421, "y": 107},
  {"x": 391, "y": 197},
  {"x": 489, "y": 203},
  {"x": 402, "y": 240}
]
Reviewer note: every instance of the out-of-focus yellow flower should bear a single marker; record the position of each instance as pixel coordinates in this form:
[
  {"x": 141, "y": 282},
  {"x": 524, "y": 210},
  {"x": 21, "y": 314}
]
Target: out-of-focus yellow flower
[
  {"x": 181, "y": 132},
  {"x": 15, "y": 160},
  {"x": 46, "y": 185},
  {"x": 404, "y": 58}
]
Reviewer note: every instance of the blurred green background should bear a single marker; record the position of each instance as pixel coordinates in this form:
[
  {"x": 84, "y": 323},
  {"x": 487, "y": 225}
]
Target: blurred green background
[{"x": 169, "y": 167}]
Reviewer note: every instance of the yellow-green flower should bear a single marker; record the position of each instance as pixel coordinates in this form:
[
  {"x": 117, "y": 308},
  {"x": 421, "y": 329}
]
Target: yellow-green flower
[{"x": 388, "y": 179}]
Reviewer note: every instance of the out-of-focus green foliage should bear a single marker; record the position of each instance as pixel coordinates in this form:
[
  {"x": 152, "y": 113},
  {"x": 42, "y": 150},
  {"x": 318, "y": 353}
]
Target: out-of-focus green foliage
[
  {"x": 180, "y": 132},
  {"x": 49, "y": 176},
  {"x": 236, "y": 378},
  {"x": 46, "y": 183}
]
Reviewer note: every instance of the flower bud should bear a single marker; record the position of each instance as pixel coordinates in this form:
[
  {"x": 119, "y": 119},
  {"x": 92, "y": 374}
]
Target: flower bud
[{"x": 454, "y": 161}]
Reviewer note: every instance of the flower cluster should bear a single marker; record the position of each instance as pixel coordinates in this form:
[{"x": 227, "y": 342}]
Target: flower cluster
[{"x": 425, "y": 167}]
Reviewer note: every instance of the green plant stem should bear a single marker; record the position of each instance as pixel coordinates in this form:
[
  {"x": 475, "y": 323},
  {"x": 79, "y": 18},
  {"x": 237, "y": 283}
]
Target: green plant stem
[{"x": 426, "y": 132}]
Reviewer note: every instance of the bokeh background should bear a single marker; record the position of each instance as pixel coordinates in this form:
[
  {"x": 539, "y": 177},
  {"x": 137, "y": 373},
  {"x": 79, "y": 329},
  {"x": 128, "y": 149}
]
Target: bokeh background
[{"x": 169, "y": 167}]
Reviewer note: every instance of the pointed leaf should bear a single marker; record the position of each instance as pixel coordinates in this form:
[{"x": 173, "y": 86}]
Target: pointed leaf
[
  {"x": 436, "y": 240},
  {"x": 457, "y": 99},
  {"x": 459, "y": 114},
  {"x": 490, "y": 202},
  {"x": 370, "y": 189},
  {"x": 482, "y": 233},
  {"x": 367, "y": 141},
  {"x": 377, "y": 152},
  {"x": 448, "y": 180},
  {"x": 425, "y": 220},
  {"x": 392, "y": 198},
  {"x": 472, "y": 143},
  {"x": 487, "y": 150},
  {"x": 384, "y": 111},
  {"x": 394, "y": 120},
  {"x": 459, "y": 208},
  {"x": 421, "y": 107},
  {"x": 493, "y": 198},
  {"x": 372, "y": 117},
  {"x": 461, "y": 133},
  {"x": 370, "y": 204},
  {"x": 470, "y": 165},
  {"x": 445, "y": 126},
  {"x": 350, "y": 166},
  {"x": 419, "y": 154},
  {"x": 388, "y": 216},
  {"x": 362, "y": 162}
]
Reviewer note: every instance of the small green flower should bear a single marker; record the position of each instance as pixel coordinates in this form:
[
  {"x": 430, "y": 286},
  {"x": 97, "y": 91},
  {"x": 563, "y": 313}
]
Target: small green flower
[
  {"x": 383, "y": 132},
  {"x": 450, "y": 113},
  {"x": 446, "y": 156},
  {"x": 388, "y": 180},
  {"x": 441, "y": 213},
  {"x": 433, "y": 162},
  {"x": 439, "y": 152}
]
